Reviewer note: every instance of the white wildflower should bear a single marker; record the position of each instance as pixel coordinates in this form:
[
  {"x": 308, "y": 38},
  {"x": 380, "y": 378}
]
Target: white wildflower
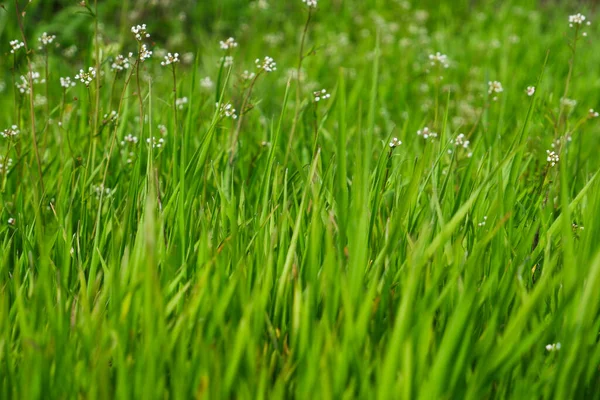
[
  {"x": 140, "y": 32},
  {"x": 170, "y": 59},
  {"x": 180, "y": 103},
  {"x": 155, "y": 143},
  {"x": 86, "y": 77},
  {"x": 145, "y": 53},
  {"x": 310, "y": 3},
  {"x": 15, "y": 45},
  {"x": 553, "y": 347},
  {"x": 426, "y": 133},
  {"x": 530, "y": 90},
  {"x": 66, "y": 82},
  {"x": 552, "y": 157},
  {"x": 206, "y": 83},
  {"x": 46, "y": 39},
  {"x": 321, "y": 95},
  {"x": 438, "y": 59},
  {"x": 228, "y": 44},
  {"x": 395, "y": 143},
  {"x": 11, "y": 132},
  {"x": 226, "y": 110},
  {"x": 267, "y": 64},
  {"x": 121, "y": 62},
  {"x": 576, "y": 19}
]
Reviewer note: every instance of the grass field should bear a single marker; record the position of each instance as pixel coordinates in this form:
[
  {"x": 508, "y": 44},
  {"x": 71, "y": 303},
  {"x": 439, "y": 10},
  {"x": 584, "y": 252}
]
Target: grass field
[{"x": 374, "y": 199}]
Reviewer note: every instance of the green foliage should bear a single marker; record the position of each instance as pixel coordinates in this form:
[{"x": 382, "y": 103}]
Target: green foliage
[{"x": 291, "y": 252}]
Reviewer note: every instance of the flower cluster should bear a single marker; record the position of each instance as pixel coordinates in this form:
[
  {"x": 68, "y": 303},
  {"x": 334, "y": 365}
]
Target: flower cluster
[
  {"x": 86, "y": 77},
  {"x": 121, "y": 62},
  {"x": 206, "y": 83},
  {"x": 66, "y": 82},
  {"x": 181, "y": 103},
  {"x": 5, "y": 168},
  {"x": 100, "y": 190},
  {"x": 530, "y": 90},
  {"x": 227, "y": 61},
  {"x": 226, "y": 111},
  {"x": 552, "y": 158},
  {"x": 395, "y": 142},
  {"x": 46, "y": 39},
  {"x": 482, "y": 223},
  {"x": 576, "y": 19},
  {"x": 228, "y": 44},
  {"x": 155, "y": 143},
  {"x": 248, "y": 76},
  {"x": 438, "y": 59},
  {"x": 461, "y": 142},
  {"x": 11, "y": 132},
  {"x": 110, "y": 118},
  {"x": 170, "y": 59},
  {"x": 310, "y": 3},
  {"x": 267, "y": 64},
  {"x": 145, "y": 53},
  {"x": 15, "y": 45},
  {"x": 426, "y": 133},
  {"x": 321, "y": 95},
  {"x": 129, "y": 139},
  {"x": 140, "y": 32},
  {"x": 495, "y": 87},
  {"x": 553, "y": 347},
  {"x": 593, "y": 114}
]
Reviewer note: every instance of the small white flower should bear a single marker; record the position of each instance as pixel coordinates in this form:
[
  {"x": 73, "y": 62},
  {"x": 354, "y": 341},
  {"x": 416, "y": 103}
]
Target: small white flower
[
  {"x": 495, "y": 87},
  {"x": 395, "y": 143},
  {"x": 267, "y": 64},
  {"x": 110, "y": 118},
  {"x": 576, "y": 19},
  {"x": 100, "y": 190},
  {"x": 206, "y": 83},
  {"x": 66, "y": 82},
  {"x": 321, "y": 95},
  {"x": 530, "y": 90},
  {"x": 15, "y": 45},
  {"x": 227, "y": 61},
  {"x": 180, "y": 103},
  {"x": 426, "y": 133},
  {"x": 553, "y": 347},
  {"x": 162, "y": 129},
  {"x": 226, "y": 110},
  {"x": 228, "y": 44},
  {"x": 145, "y": 53},
  {"x": 552, "y": 157},
  {"x": 593, "y": 114},
  {"x": 121, "y": 62},
  {"x": 170, "y": 59},
  {"x": 4, "y": 168},
  {"x": 46, "y": 39},
  {"x": 248, "y": 76},
  {"x": 310, "y": 3},
  {"x": 482, "y": 223},
  {"x": 129, "y": 140},
  {"x": 11, "y": 221},
  {"x": 11, "y": 132},
  {"x": 86, "y": 77},
  {"x": 155, "y": 143},
  {"x": 139, "y": 31},
  {"x": 438, "y": 59}
]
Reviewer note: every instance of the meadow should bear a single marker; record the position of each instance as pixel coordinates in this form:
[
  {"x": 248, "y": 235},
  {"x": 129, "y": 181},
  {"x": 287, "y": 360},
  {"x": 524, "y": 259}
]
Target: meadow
[{"x": 312, "y": 199}]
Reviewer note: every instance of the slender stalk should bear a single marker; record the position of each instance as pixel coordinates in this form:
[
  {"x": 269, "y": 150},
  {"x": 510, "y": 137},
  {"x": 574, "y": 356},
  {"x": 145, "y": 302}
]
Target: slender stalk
[
  {"x": 31, "y": 105},
  {"x": 298, "y": 85}
]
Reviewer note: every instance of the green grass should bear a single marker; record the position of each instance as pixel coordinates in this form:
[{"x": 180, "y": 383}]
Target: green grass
[{"x": 291, "y": 252}]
